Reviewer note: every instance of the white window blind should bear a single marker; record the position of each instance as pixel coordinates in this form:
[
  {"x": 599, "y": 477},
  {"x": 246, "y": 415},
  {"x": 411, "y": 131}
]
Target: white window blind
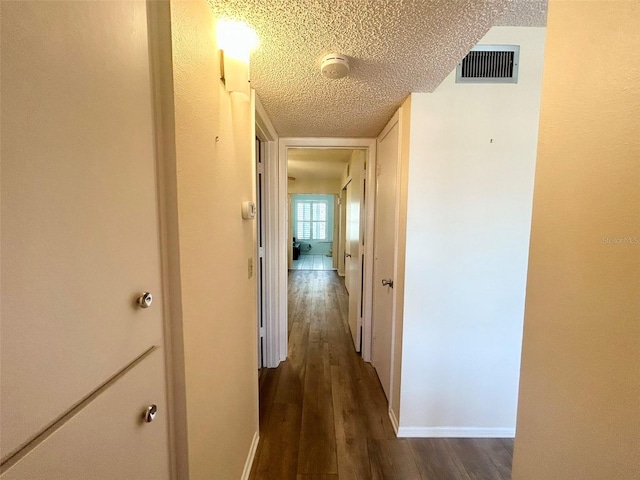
[{"x": 311, "y": 221}]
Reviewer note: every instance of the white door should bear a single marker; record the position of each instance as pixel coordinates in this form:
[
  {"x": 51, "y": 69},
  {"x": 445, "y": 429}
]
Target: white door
[
  {"x": 355, "y": 233},
  {"x": 80, "y": 243},
  {"x": 352, "y": 259},
  {"x": 384, "y": 266}
]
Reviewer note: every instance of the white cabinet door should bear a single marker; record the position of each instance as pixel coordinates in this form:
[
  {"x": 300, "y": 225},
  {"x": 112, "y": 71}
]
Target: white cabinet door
[
  {"x": 108, "y": 439},
  {"x": 80, "y": 227}
]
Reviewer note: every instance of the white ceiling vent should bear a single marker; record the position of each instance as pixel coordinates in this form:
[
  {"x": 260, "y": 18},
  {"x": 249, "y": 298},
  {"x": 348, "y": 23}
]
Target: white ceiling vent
[{"x": 490, "y": 64}]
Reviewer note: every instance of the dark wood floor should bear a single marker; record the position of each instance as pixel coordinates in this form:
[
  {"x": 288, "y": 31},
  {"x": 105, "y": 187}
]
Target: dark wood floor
[{"x": 323, "y": 414}]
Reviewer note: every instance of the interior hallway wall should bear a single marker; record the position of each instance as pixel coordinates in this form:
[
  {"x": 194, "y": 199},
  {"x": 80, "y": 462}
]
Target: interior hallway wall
[
  {"x": 579, "y": 415},
  {"x": 214, "y": 142},
  {"x": 317, "y": 186},
  {"x": 470, "y": 189}
]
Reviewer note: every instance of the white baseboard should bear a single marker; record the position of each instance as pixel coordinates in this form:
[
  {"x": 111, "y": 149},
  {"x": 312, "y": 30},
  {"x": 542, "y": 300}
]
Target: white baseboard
[
  {"x": 394, "y": 421},
  {"x": 252, "y": 453},
  {"x": 455, "y": 432}
]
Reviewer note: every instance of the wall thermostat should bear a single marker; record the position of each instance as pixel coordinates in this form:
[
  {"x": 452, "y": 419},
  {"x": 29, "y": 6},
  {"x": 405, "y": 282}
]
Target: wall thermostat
[{"x": 248, "y": 210}]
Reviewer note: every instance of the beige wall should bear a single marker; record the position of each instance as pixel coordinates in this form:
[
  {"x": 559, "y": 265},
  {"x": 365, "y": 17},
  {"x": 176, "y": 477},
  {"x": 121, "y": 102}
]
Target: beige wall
[
  {"x": 213, "y": 154},
  {"x": 579, "y": 415},
  {"x": 322, "y": 186}
]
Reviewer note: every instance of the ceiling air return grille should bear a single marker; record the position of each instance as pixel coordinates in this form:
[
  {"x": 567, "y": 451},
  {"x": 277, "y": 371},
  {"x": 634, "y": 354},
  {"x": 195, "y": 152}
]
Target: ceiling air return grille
[{"x": 489, "y": 64}]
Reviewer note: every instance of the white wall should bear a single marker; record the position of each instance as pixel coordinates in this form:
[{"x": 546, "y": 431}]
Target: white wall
[{"x": 470, "y": 186}]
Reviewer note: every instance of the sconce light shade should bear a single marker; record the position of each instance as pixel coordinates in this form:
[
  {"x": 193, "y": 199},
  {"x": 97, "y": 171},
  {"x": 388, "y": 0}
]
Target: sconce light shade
[
  {"x": 234, "y": 73},
  {"x": 235, "y": 41}
]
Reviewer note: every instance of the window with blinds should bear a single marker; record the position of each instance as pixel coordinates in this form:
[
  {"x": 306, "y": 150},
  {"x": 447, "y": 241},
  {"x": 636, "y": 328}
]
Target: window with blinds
[{"x": 312, "y": 221}]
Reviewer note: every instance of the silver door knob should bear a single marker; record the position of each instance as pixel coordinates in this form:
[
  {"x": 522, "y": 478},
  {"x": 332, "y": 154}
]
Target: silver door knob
[
  {"x": 347, "y": 255},
  {"x": 386, "y": 282},
  {"x": 145, "y": 300},
  {"x": 150, "y": 413}
]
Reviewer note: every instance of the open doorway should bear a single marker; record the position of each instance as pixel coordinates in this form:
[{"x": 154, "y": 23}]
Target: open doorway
[
  {"x": 314, "y": 182},
  {"x": 313, "y": 220},
  {"x": 278, "y": 196},
  {"x": 326, "y": 199}
]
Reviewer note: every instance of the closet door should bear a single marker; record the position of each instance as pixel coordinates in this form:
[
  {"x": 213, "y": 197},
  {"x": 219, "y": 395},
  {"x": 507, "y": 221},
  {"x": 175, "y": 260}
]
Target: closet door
[{"x": 80, "y": 235}]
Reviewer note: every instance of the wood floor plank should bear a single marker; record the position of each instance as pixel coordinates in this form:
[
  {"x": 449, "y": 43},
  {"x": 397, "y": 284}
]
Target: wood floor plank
[
  {"x": 349, "y": 421},
  {"x": 392, "y": 460},
  {"x": 353, "y": 458},
  {"x": 293, "y": 370},
  {"x": 317, "y": 312},
  {"x": 508, "y": 444},
  {"x": 499, "y": 455},
  {"x": 350, "y": 427},
  {"x": 277, "y": 458},
  {"x": 372, "y": 400},
  {"x": 268, "y": 388},
  {"x": 317, "y": 435},
  {"x": 468, "y": 453},
  {"x": 435, "y": 461},
  {"x": 317, "y": 477}
]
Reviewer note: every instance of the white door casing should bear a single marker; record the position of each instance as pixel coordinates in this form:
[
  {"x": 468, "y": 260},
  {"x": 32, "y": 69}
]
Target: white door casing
[
  {"x": 275, "y": 265},
  {"x": 284, "y": 239},
  {"x": 342, "y": 231},
  {"x": 351, "y": 261}
]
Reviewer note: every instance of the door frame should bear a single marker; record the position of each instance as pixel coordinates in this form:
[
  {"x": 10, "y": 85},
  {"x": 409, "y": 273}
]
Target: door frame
[
  {"x": 275, "y": 267},
  {"x": 284, "y": 144}
]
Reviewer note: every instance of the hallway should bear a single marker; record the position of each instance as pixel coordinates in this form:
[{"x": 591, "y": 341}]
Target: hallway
[
  {"x": 323, "y": 414},
  {"x": 313, "y": 262}
]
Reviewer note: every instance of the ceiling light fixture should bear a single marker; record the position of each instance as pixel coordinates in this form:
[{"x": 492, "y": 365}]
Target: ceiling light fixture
[{"x": 335, "y": 65}]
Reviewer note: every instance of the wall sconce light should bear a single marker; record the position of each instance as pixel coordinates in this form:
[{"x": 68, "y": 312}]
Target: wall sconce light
[{"x": 236, "y": 40}]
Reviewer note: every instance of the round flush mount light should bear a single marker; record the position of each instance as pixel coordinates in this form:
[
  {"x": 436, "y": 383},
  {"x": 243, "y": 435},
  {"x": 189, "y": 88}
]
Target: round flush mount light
[{"x": 335, "y": 65}]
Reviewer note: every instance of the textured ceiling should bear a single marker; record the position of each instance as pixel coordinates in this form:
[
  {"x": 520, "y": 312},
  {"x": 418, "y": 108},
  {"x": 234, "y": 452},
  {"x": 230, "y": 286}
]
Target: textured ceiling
[{"x": 395, "y": 47}]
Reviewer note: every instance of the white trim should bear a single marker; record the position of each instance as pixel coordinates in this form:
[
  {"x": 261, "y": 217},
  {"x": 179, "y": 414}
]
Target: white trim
[
  {"x": 394, "y": 421},
  {"x": 276, "y": 350},
  {"x": 370, "y": 213},
  {"x": 252, "y": 454},
  {"x": 368, "y": 144},
  {"x": 456, "y": 432}
]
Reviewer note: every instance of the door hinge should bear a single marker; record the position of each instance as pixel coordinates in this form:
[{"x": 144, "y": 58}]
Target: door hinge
[{"x": 260, "y": 168}]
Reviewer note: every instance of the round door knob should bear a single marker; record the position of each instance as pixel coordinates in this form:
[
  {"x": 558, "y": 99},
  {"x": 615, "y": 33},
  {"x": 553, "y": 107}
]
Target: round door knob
[
  {"x": 150, "y": 413},
  {"x": 145, "y": 300}
]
